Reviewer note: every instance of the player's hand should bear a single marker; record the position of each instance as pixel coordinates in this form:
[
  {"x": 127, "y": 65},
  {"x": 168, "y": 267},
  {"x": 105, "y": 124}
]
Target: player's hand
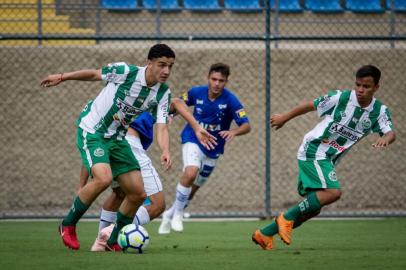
[
  {"x": 206, "y": 139},
  {"x": 227, "y": 135},
  {"x": 166, "y": 160},
  {"x": 277, "y": 121},
  {"x": 380, "y": 143},
  {"x": 52, "y": 80}
]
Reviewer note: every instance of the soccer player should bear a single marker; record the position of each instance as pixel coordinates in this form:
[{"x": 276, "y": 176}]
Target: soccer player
[
  {"x": 349, "y": 116},
  {"x": 155, "y": 203},
  {"x": 215, "y": 107},
  {"x": 101, "y": 130}
]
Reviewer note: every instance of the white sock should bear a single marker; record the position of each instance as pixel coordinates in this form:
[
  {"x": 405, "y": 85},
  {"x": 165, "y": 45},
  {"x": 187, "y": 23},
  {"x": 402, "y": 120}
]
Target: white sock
[
  {"x": 106, "y": 218},
  {"x": 169, "y": 213},
  {"x": 182, "y": 196},
  {"x": 142, "y": 216}
]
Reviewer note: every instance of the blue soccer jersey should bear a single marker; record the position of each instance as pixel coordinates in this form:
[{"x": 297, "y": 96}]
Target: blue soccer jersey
[
  {"x": 144, "y": 125},
  {"x": 213, "y": 116}
]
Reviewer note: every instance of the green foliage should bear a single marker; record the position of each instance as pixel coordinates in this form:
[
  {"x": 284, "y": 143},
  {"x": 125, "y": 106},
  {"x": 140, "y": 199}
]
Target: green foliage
[{"x": 319, "y": 244}]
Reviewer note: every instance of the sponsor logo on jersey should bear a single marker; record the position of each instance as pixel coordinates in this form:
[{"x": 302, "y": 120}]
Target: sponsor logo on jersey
[
  {"x": 323, "y": 101},
  {"x": 241, "y": 113},
  {"x": 210, "y": 127},
  {"x": 345, "y": 132},
  {"x": 222, "y": 106},
  {"x": 335, "y": 145},
  {"x": 199, "y": 101},
  {"x": 332, "y": 176},
  {"x": 126, "y": 108},
  {"x": 98, "y": 152},
  {"x": 366, "y": 123}
]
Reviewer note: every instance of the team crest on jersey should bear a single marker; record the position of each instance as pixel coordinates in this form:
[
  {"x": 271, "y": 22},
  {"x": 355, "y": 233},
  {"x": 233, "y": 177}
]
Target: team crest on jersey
[
  {"x": 332, "y": 176},
  {"x": 366, "y": 123},
  {"x": 343, "y": 114},
  {"x": 152, "y": 103},
  {"x": 199, "y": 110},
  {"x": 98, "y": 152}
]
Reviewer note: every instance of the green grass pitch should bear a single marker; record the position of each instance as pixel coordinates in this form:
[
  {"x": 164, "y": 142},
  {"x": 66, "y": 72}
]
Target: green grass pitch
[{"x": 318, "y": 244}]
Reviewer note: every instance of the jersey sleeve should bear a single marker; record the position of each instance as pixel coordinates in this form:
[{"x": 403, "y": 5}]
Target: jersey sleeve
[
  {"x": 115, "y": 72},
  {"x": 326, "y": 104},
  {"x": 189, "y": 97},
  {"x": 238, "y": 111},
  {"x": 384, "y": 123},
  {"x": 163, "y": 108}
]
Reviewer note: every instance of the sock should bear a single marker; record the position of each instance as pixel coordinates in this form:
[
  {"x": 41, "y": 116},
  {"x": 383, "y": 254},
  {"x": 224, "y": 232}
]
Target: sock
[
  {"x": 187, "y": 204},
  {"x": 75, "y": 212},
  {"x": 142, "y": 216},
  {"x": 169, "y": 213},
  {"x": 182, "y": 195},
  {"x": 121, "y": 222},
  {"x": 106, "y": 218},
  {"x": 270, "y": 229},
  {"x": 310, "y": 204}
]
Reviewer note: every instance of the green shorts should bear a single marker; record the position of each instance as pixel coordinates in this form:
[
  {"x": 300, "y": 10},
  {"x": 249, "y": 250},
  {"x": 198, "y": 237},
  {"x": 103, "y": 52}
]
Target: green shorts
[
  {"x": 316, "y": 174},
  {"x": 95, "y": 149}
]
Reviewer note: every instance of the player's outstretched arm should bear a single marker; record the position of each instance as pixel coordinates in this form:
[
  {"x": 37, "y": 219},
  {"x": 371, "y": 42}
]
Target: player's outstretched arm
[
  {"x": 385, "y": 140},
  {"x": 278, "y": 120},
  {"x": 204, "y": 137},
  {"x": 80, "y": 75}
]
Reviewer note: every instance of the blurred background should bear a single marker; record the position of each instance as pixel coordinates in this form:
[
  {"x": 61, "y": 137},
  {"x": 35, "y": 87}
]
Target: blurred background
[{"x": 281, "y": 52}]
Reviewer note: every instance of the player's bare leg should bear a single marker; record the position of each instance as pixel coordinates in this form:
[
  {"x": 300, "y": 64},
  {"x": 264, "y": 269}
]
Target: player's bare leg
[{"x": 132, "y": 185}]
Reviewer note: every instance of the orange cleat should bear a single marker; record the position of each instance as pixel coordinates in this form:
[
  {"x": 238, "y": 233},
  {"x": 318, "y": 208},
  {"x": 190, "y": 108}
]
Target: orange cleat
[
  {"x": 285, "y": 228},
  {"x": 266, "y": 242}
]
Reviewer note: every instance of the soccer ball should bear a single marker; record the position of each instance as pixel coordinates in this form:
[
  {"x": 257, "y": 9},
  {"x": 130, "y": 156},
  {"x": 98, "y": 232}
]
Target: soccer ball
[{"x": 133, "y": 238}]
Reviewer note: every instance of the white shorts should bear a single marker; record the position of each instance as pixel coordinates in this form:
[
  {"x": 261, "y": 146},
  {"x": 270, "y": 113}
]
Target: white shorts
[
  {"x": 193, "y": 156},
  {"x": 152, "y": 182}
]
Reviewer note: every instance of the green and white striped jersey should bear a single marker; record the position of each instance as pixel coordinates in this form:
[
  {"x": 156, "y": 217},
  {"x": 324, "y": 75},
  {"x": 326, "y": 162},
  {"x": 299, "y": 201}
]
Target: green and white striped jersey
[
  {"x": 344, "y": 124},
  {"x": 123, "y": 99}
]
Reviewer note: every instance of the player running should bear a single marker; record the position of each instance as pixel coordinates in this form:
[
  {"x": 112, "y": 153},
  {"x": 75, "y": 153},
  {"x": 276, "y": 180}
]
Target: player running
[
  {"x": 215, "y": 107},
  {"x": 349, "y": 116}
]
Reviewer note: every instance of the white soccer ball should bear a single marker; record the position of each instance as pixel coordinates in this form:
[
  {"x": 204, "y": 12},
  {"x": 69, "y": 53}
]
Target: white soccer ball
[{"x": 133, "y": 238}]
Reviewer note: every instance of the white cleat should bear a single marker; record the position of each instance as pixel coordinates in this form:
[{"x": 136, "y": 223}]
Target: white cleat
[
  {"x": 177, "y": 223},
  {"x": 165, "y": 227},
  {"x": 101, "y": 241}
]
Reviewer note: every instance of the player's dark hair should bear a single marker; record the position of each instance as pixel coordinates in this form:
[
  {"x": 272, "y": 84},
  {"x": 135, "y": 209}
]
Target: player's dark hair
[
  {"x": 220, "y": 67},
  {"x": 369, "y": 70},
  {"x": 160, "y": 50}
]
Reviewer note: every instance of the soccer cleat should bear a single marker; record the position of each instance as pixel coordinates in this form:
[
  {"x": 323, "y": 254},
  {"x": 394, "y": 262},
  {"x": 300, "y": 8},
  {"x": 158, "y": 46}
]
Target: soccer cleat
[
  {"x": 284, "y": 228},
  {"x": 68, "y": 235},
  {"x": 177, "y": 223},
  {"x": 113, "y": 247},
  {"x": 101, "y": 241},
  {"x": 266, "y": 242},
  {"x": 165, "y": 226}
]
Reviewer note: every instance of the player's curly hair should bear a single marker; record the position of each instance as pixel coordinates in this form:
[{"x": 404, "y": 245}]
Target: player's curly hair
[
  {"x": 160, "y": 50},
  {"x": 220, "y": 67}
]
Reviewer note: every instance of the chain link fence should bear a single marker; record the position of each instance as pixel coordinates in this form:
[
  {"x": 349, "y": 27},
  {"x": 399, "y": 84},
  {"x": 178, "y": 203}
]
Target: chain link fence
[{"x": 277, "y": 60}]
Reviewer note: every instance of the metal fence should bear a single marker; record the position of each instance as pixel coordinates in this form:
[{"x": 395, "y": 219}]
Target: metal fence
[{"x": 277, "y": 60}]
